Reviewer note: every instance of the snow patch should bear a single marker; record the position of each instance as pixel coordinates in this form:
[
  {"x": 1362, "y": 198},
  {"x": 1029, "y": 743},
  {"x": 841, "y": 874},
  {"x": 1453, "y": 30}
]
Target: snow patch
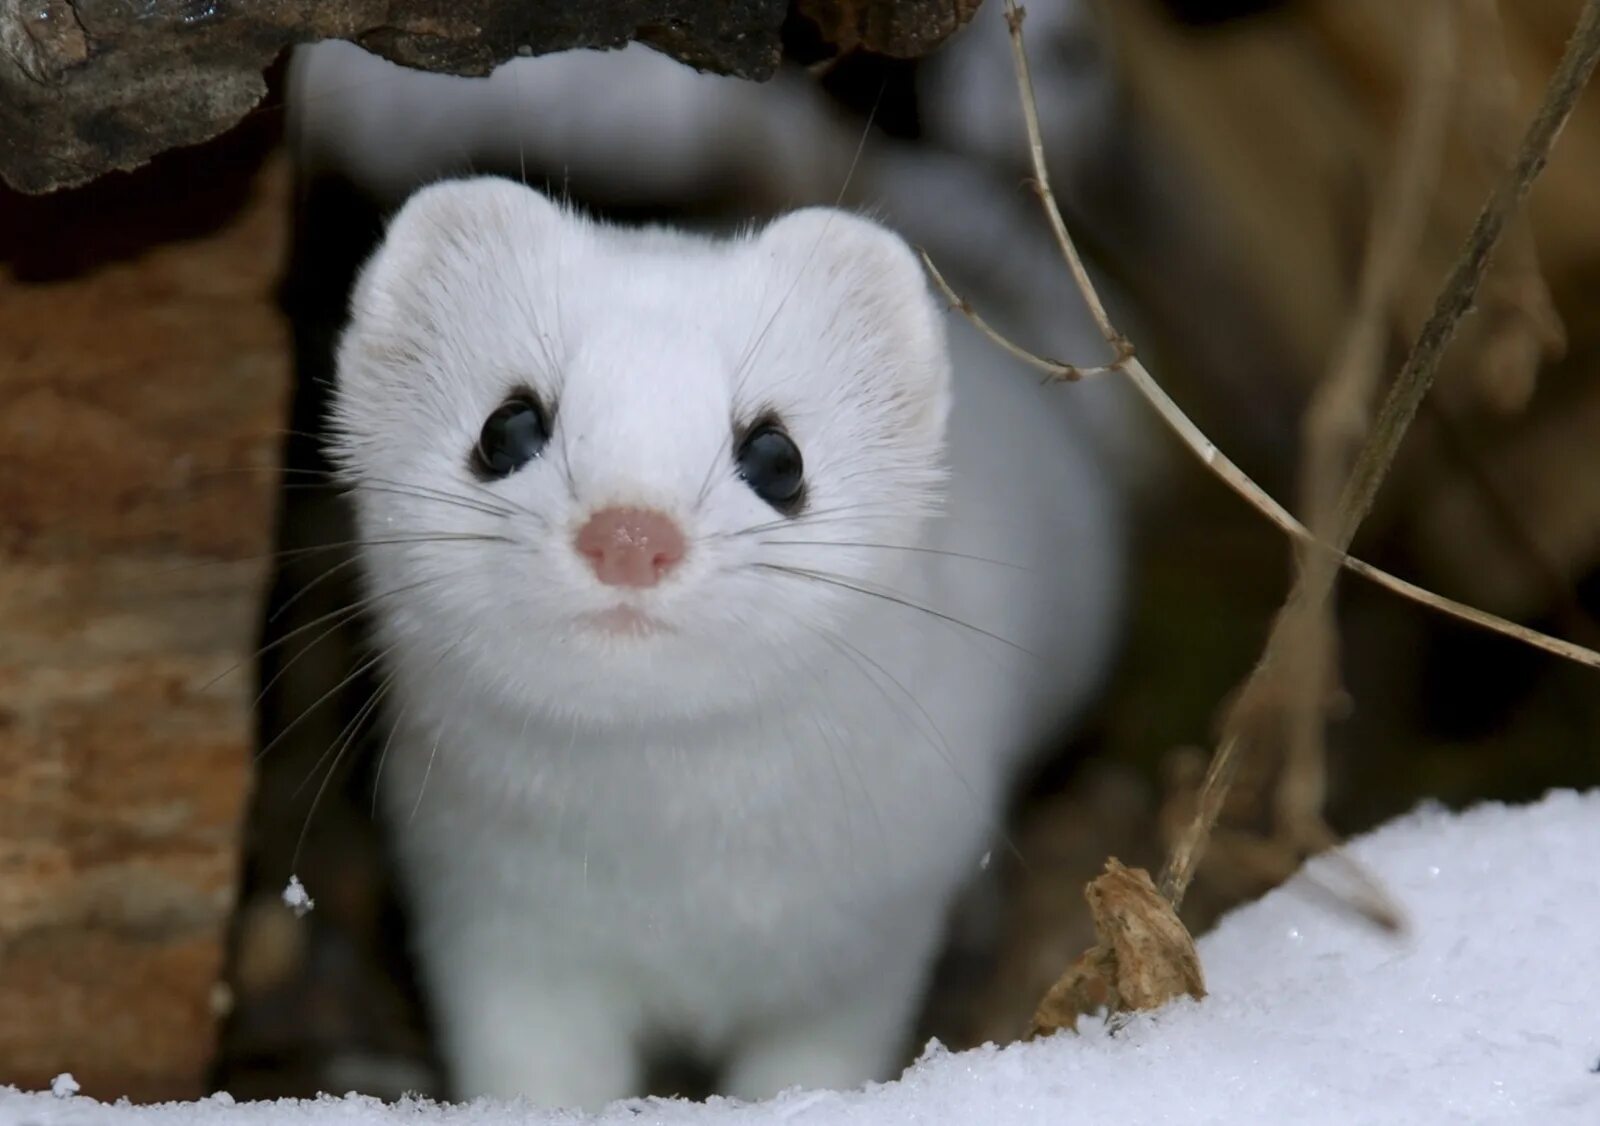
[
  {"x": 1486, "y": 1011},
  {"x": 296, "y": 898}
]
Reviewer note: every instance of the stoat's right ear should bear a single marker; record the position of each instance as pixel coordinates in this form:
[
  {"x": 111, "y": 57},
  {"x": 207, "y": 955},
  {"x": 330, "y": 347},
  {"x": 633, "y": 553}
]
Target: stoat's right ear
[
  {"x": 447, "y": 231},
  {"x": 430, "y": 296}
]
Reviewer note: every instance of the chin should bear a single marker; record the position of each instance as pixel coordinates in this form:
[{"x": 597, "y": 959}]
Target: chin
[
  {"x": 609, "y": 668},
  {"x": 622, "y": 624}
]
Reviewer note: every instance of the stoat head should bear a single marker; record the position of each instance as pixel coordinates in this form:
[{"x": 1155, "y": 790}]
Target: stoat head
[{"x": 617, "y": 473}]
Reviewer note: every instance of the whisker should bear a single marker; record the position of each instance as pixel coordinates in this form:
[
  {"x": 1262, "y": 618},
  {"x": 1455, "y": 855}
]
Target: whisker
[
  {"x": 392, "y": 541},
  {"x": 427, "y": 772},
  {"x": 940, "y": 744},
  {"x": 344, "y": 743},
  {"x": 898, "y": 600},
  {"x": 289, "y": 554},
  {"x": 349, "y": 612},
  {"x": 334, "y": 480},
  {"x": 327, "y": 573},
  {"x": 566, "y": 470},
  {"x": 741, "y": 368},
  {"x": 303, "y": 651},
  {"x": 366, "y": 709},
  {"x": 835, "y": 514},
  {"x": 711, "y": 474},
  {"x": 394, "y": 726},
  {"x": 343, "y": 683},
  {"x": 899, "y": 547},
  {"x": 846, "y": 513},
  {"x": 349, "y": 488},
  {"x": 337, "y": 477},
  {"x": 834, "y": 746}
]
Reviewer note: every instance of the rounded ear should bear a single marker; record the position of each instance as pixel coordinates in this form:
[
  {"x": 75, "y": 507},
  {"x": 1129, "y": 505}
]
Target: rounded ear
[
  {"x": 875, "y": 287},
  {"x": 426, "y": 289},
  {"x": 447, "y": 224}
]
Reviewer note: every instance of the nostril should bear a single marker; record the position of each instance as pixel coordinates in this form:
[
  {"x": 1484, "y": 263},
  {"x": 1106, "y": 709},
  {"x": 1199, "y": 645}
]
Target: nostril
[{"x": 630, "y": 546}]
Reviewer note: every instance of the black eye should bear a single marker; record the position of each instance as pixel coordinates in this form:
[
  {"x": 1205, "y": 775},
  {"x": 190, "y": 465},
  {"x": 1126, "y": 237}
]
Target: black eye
[
  {"x": 512, "y": 436},
  {"x": 769, "y": 461}
]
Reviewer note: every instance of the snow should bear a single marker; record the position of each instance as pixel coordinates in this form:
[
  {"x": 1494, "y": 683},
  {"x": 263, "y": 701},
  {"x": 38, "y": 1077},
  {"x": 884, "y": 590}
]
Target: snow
[
  {"x": 64, "y": 1086},
  {"x": 1486, "y": 1011},
  {"x": 296, "y": 898}
]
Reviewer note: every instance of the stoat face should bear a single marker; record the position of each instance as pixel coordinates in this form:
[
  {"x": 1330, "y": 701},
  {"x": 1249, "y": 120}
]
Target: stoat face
[{"x": 616, "y": 474}]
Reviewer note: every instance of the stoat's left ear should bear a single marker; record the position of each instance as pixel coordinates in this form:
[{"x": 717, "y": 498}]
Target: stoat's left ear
[{"x": 877, "y": 292}]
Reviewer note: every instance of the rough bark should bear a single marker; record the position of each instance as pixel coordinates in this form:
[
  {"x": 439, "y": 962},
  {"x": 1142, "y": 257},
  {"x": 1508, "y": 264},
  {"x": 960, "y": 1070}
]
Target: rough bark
[
  {"x": 901, "y": 28},
  {"x": 88, "y": 86}
]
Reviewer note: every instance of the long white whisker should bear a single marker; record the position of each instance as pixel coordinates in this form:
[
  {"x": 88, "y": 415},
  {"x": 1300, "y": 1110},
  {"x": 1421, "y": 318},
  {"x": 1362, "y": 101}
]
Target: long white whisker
[
  {"x": 345, "y": 613},
  {"x": 940, "y": 744},
  {"x": 899, "y": 600},
  {"x": 916, "y": 549},
  {"x": 344, "y": 683}
]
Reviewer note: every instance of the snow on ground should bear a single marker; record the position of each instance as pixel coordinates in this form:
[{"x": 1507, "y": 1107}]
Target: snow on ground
[{"x": 1488, "y": 1011}]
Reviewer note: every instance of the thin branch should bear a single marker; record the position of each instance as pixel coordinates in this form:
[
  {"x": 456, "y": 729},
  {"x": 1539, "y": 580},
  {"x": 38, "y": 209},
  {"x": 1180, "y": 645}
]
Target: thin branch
[
  {"x": 1120, "y": 347},
  {"x": 1056, "y": 369},
  {"x": 1373, "y": 462},
  {"x": 1240, "y": 482}
]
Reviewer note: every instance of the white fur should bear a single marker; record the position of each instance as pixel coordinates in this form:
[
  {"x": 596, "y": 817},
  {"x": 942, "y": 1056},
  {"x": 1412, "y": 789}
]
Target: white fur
[
  {"x": 645, "y": 129},
  {"x": 743, "y": 834},
  {"x": 741, "y": 837}
]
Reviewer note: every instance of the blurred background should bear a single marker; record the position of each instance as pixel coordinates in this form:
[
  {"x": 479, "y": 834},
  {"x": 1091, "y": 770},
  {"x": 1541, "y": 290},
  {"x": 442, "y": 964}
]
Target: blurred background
[{"x": 163, "y": 350}]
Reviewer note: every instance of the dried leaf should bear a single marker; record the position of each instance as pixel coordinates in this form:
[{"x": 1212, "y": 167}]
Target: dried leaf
[{"x": 1145, "y": 956}]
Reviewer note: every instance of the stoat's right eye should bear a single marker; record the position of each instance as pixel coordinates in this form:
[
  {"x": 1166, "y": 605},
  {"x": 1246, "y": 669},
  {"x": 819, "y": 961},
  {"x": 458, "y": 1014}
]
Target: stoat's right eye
[{"x": 511, "y": 437}]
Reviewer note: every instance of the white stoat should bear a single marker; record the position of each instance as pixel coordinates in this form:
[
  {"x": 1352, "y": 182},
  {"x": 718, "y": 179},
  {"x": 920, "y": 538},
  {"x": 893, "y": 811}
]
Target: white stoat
[{"x": 721, "y": 592}]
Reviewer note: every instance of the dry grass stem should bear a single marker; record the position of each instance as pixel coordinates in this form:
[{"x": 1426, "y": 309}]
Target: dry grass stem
[
  {"x": 1053, "y": 368},
  {"x": 1456, "y": 297},
  {"x": 1336, "y": 419},
  {"x": 1314, "y": 585},
  {"x": 1120, "y": 347},
  {"x": 1315, "y": 582},
  {"x": 1523, "y": 327},
  {"x": 1258, "y": 498}
]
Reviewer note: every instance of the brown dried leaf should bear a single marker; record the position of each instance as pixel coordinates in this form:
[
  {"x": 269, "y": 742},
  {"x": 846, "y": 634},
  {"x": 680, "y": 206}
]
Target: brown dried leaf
[{"x": 1145, "y": 956}]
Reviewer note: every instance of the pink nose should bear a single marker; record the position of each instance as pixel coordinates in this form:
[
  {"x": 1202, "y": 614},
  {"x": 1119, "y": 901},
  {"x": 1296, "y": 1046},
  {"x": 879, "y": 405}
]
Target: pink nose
[{"x": 630, "y": 546}]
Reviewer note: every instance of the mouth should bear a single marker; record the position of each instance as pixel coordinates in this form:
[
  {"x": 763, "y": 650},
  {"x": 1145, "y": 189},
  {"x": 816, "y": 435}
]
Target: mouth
[{"x": 623, "y": 621}]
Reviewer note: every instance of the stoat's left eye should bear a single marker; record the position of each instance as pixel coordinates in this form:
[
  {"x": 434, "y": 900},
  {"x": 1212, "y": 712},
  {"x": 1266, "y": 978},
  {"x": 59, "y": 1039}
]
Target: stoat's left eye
[
  {"x": 511, "y": 437},
  {"x": 771, "y": 465}
]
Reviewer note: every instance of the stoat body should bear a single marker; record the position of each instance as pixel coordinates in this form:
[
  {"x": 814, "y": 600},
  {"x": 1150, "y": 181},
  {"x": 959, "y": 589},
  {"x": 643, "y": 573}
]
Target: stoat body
[{"x": 722, "y": 585}]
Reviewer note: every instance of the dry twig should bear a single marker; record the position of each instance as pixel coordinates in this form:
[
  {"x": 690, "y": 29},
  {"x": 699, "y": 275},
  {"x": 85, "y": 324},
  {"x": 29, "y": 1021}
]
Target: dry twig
[
  {"x": 1416, "y": 376},
  {"x": 1456, "y": 297},
  {"x": 1234, "y": 477},
  {"x": 1315, "y": 583},
  {"x": 1522, "y": 327}
]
